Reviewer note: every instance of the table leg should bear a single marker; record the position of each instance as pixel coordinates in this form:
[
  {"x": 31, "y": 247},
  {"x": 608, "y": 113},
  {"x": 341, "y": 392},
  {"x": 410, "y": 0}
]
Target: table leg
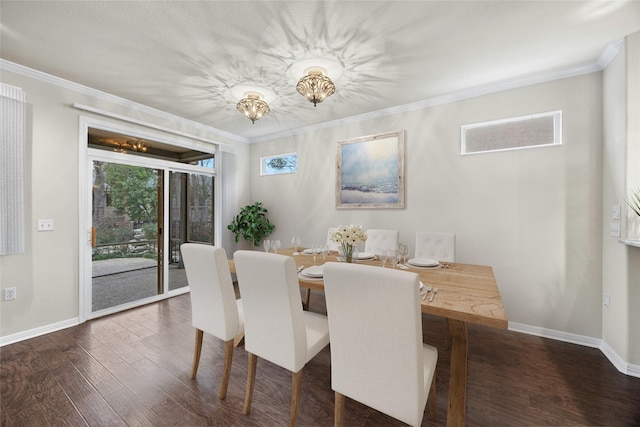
[{"x": 458, "y": 375}]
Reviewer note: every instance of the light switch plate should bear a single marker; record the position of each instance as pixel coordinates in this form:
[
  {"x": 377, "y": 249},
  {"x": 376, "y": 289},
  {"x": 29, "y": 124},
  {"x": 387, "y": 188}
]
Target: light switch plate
[{"x": 615, "y": 212}]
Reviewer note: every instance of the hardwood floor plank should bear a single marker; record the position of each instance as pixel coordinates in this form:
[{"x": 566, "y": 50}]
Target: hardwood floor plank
[
  {"x": 131, "y": 411},
  {"x": 145, "y": 393},
  {"x": 133, "y": 368}
]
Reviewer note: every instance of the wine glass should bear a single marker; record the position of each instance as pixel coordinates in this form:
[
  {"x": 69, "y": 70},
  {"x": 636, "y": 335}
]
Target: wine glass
[
  {"x": 383, "y": 258},
  {"x": 295, "y": 241},
  {"x": 325, "y": 251},
  {"x": 266, "y": 244},
  {"x": 275, "y": 245},
  {"x": 403, "y": 251},
  {"x": 393, "y": 258}
]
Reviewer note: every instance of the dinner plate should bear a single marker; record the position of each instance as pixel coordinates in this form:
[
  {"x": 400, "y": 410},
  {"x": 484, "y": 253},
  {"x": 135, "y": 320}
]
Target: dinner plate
[
  {"x": 313, "y": 271},
  {"x": 365, "y": 255},
  {"x": 308, "y": 251},
  {"x": 423, "y": 262}
]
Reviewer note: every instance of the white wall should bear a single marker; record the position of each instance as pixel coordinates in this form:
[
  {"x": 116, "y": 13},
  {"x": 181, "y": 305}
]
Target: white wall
[
  {"x": 614, "y": 260},
  {"x": 534, "y": 215},
  {"x": 621, "y": 170},
  {"x": 46, "y": 275}
]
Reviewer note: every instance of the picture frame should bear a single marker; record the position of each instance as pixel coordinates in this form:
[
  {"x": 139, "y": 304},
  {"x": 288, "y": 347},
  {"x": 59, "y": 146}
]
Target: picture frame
[
  {"x": 370, "y": 172},
  {"x": 279, "y": 164}
]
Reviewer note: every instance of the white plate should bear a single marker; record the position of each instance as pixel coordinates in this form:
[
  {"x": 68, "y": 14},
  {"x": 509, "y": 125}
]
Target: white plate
[
  {"x": 365, "y": 255},
  {"x": 313, "y": 271},
  {"x": 423, "y": 262},
  {"x": 308, "y": 251}
]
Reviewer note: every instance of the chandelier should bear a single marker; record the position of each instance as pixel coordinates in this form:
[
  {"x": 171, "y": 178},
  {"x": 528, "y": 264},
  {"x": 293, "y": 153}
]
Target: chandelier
[
  {"x": 315, "y": 85},
  {"x": 123, "y": 147},
  {"x": 253, "y": 106}
]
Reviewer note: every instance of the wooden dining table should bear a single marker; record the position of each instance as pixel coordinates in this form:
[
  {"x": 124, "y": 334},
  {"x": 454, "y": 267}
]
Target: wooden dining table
[{"x": 466, "y": 294}]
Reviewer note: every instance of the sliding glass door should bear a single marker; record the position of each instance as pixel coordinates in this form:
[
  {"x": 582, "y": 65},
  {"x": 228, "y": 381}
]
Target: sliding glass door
[
  {"x": 127, "y": 247},
  {"x": 190, "y": 218},
  {"x": 140, "y": 207}
]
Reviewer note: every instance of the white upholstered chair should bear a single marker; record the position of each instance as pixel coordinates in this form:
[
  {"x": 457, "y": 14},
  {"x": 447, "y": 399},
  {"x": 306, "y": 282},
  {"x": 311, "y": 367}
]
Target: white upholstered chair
[
  {"x": 381, "y": 240},
  {"x": 436, "y": 245},
  {"x": 276, "y": 327},
  {"x": 333, "y": 246},
  {"x": 214, "y": 308},
  {"x": 377, "y": 354}
]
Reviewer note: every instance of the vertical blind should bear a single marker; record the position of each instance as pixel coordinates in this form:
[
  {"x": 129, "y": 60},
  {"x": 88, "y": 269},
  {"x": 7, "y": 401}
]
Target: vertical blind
[{"x": 13, "y": 118}]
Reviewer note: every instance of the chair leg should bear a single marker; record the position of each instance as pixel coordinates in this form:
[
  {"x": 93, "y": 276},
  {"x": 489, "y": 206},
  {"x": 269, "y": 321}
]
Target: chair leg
[
  {"x": 196, "y": 353},
  {"x": 238, "y": 339},
  {"x": 432, "y": 399},
  {"x": 296, "y": 382},
  {"x": 306, "y": 300},
  {"x": 338, "y": 415},
  {"x": 226, "y": 372},
  {"x": 251, "y": 378}
]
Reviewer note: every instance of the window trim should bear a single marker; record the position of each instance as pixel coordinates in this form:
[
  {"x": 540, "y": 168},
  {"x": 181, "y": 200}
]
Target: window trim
[{"x": 557, "y": 132}]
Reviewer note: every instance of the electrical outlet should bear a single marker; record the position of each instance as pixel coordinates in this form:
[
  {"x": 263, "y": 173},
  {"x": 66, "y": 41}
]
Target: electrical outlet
[
  {"x": 9, "y": 294},
  {"x": 614, "y": 229},
  {"x": 45, "y": 225},
  {"x": 606, "y": 300}
]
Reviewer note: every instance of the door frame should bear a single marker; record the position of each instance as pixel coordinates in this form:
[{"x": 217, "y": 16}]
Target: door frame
[{"x": 86, "y": 156}]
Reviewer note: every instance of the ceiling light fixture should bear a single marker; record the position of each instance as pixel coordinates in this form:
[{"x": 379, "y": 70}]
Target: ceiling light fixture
[
  {"x": 253, "y": 106},
  {"x": 123, "y": 147},
  {"x": 315, "y": 85}
]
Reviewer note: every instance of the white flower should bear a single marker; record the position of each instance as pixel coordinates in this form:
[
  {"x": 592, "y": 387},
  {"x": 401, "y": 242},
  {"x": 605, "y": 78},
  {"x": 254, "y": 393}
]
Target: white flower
[{"x": 349, "y": 235}]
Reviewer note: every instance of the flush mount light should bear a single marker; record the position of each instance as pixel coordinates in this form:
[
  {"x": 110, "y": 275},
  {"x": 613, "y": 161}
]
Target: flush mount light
[
  {"x": 125, "y": 146},
  {"x": 253, "y": 106},
  {"x": 315, "y": 85}
]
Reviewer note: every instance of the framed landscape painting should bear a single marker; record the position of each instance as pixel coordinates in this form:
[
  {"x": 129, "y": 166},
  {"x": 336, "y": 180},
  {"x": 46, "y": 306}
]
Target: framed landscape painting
[{"x": 370, "y": 172}]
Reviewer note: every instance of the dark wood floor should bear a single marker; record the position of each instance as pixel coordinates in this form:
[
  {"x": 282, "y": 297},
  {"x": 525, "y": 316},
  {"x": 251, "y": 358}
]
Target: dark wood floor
[{"x": 132, "y": 368}]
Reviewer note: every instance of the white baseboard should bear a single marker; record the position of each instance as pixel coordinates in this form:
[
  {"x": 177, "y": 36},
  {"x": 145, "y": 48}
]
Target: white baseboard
[
  {"x": 615, "y": 359},
  {"x": 36, "y": 332}
]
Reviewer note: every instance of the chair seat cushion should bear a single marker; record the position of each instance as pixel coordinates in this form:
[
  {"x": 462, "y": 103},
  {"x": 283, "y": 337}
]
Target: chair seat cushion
[
  {"x": 317, "y": 333},
  {"x": 429, "y": 359},
  {"x": 240, "y": 316}
]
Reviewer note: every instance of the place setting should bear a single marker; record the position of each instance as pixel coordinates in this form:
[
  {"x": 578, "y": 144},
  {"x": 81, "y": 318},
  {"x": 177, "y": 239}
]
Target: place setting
[
  {"x": 314, "y": 272},
  {"x": 424, "y": 263}
]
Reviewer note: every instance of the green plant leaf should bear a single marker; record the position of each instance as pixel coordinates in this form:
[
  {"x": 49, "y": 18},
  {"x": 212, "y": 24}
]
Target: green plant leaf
[{"x": 252, "y": 223}]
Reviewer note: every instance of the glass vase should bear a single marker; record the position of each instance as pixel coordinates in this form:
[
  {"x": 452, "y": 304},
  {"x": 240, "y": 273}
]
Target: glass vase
[{"x": 348, "y": 253}]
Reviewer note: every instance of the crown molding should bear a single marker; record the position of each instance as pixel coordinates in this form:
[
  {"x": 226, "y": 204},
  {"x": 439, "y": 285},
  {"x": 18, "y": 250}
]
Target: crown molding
[
  {"x": 605, "y": 58},
  {"x": 440, "y": 100},
  {"x": 57, "y": 81},
  {"x": 609, "y": 53}
]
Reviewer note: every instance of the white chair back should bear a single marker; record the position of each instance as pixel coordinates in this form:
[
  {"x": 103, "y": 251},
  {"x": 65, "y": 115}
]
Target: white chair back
[
  {"x": 274, "y": 322},
  {"x": 333, "y": 246},
  {"x": 381, "y": 240},
  {"x": 436, "y": 245},
  {"x": 377, "y": 354},
  {"x": 214, "y": 308}
]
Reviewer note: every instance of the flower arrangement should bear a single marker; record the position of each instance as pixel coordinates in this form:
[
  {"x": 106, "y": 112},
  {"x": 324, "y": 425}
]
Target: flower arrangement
[{"x": 347, "y": 238}]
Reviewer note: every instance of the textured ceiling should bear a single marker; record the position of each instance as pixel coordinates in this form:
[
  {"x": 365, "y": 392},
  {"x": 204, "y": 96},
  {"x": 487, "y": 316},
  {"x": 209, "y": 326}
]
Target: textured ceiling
[{"x": 185, "y": 57}]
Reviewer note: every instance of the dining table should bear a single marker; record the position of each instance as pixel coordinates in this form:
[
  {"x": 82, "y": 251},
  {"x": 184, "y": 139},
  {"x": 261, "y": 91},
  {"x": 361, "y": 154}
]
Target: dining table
[{"x": 466, "y": 294}]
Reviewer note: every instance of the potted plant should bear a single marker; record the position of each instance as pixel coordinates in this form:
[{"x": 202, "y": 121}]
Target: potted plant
[{"x": 251, "y": 223}]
